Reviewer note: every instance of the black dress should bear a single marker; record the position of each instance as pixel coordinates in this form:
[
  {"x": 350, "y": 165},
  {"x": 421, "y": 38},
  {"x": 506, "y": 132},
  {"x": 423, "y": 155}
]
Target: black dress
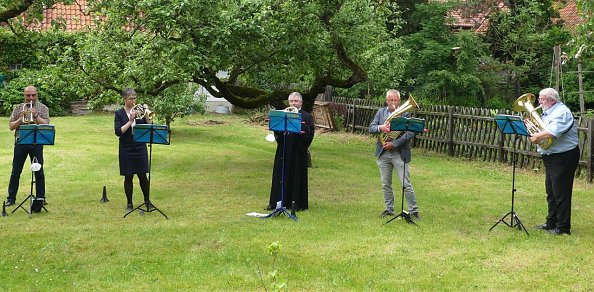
[
  {"x": 132, "y": 155},
  {"x": 296, "y": 146}
]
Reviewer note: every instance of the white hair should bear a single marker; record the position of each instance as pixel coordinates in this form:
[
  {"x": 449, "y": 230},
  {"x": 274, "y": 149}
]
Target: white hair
[{"x": 550, "y": 93}]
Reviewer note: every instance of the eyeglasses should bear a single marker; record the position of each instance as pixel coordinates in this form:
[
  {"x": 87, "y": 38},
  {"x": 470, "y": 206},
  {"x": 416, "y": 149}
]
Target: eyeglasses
[
  {"x": 131, "y": 98},
  {"x": 30, "y": 95}
]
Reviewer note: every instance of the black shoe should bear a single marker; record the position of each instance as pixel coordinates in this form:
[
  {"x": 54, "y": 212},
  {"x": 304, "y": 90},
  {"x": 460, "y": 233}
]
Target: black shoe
[
  {"x": 544, "y": 227},
  {"x": 387, "y": 213},
  {"x": 269, "y": 208},
  {"x": 149, "y": 206},
  {"x": 129, "y": 207},
  {"x": 558, "y": 231},
  {"x": 415, "y": 215},
  {"x": 9, "y": 203}
]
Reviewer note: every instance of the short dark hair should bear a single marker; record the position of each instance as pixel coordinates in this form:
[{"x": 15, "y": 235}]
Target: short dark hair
[{"x": 127, "y": 92}]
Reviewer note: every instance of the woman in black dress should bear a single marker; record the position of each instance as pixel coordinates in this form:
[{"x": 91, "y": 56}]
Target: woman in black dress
[{"x": 132, "y": 155}]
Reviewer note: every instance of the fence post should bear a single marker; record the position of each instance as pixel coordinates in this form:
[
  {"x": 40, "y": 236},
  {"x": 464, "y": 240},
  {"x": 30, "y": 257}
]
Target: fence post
[
  {"x": 354, "y": 116},
  {"x": 450, "y": 138},
  {"x": 590, "y": 149}
]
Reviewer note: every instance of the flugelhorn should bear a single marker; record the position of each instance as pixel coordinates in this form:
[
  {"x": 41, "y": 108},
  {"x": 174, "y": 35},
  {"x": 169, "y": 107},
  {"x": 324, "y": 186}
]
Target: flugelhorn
[
  {"x": 408, "y": 106},
  {"x": 533, "y": 122},
  {"x": 28, "y": 113},
  {"x": 142, "y": 110},
  {"x": 270, "y": 136}
]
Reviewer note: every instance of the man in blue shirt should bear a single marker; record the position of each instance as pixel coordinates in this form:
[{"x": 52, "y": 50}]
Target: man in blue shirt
[{"x": 560, "y": 160}]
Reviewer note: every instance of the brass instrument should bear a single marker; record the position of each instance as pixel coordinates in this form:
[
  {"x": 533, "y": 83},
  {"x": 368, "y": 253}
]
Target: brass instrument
[
  {"x": 408, "y": 106},
  {"x": 28, "y": 113},
  {"x": 533, "y": 122},
  {"x": 270, "y": 137},
  {"x": 142, "y": 110}
]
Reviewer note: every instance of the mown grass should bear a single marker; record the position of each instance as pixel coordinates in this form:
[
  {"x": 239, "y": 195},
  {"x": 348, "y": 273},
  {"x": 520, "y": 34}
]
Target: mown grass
[{"x": 212, "y": 174}]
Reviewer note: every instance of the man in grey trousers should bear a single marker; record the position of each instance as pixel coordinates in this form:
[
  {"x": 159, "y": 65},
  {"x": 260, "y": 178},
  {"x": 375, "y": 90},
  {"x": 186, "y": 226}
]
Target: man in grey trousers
[{"x": 393, "y": 154}]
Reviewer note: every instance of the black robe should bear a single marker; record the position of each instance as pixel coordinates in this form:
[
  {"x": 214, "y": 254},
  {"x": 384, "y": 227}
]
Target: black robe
[{"x": 295, "y": 166}]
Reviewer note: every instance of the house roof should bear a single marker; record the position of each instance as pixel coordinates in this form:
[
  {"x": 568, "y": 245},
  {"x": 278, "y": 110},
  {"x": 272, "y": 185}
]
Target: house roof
[
  {"x": 477, "y": 19},
  {"x": 75, "y": 17},
  {"x": 570, "y": 16}
]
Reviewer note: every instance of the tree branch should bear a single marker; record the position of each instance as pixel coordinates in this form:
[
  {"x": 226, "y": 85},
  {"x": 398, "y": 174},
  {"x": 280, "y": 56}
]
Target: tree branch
[{"x": 16, "y": 11}]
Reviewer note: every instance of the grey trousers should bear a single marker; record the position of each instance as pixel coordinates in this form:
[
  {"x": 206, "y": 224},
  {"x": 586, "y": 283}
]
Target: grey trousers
[{"x": 386, "y": 162}]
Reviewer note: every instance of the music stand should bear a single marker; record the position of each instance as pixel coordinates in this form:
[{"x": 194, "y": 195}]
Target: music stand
[
  {"x": 405, "y": 124},
  {"x": 286, "y": 122},
  {"x": 152, "y": 134},
  {"x": 508, "y": 124},
  {"x": 34, "y": 135}
]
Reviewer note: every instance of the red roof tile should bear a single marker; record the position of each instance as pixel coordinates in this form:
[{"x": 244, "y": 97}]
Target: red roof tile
[
  {"x": 74, "y": 17},
  {"x": 570, "y": 16}
]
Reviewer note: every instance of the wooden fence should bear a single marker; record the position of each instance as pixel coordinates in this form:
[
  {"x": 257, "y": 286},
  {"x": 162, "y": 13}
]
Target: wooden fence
[{"x": 465, "y": 132}]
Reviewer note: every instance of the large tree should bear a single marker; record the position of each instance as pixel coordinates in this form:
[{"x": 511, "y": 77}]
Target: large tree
[{"x": 268, "y": 47}]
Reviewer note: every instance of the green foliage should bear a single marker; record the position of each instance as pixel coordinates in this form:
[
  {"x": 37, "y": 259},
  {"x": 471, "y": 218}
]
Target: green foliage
[
  {"x": 583, "y": 38},
  {"x": 39, "y": 53},
  {"x": 523, "y": 38},
  {"x": 446, "y": 67},
  {"x": 339, "y": 122},
  {"x": 275, "y": 283},
  {"x": 49, "y": 90},
  {"x": 176, "y": 102}
]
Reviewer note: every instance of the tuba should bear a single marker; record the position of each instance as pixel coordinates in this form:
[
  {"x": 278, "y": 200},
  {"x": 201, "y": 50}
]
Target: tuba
[
  {"x": 533, "y": 122},
  {"x": 408, "y": 106},
  {"x": 28, "y": 113},
  {"x": 142, "y": 110}
]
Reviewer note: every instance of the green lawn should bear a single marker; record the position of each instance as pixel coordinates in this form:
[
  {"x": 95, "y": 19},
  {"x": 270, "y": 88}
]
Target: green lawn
[{"x": 212, "y": 174}]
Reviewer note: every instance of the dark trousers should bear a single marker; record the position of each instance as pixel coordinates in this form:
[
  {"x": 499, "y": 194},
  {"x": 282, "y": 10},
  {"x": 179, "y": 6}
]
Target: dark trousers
[
  {"x": 18, "y": 161},
  {"x": 560, "y": 171}
]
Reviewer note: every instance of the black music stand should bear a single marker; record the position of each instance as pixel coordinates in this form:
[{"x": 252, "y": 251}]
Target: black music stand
[
  {"x": 34, "y": 135},
  {"x": 286, "y": 122},
  {"x": 406, "y": 125},
  {"x": 512, "y": 125},
  {"x": 152, "y": 134}
]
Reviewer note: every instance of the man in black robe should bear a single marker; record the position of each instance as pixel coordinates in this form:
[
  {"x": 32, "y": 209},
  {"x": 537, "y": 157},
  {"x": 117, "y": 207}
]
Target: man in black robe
[{"x": 295, "y": 174}]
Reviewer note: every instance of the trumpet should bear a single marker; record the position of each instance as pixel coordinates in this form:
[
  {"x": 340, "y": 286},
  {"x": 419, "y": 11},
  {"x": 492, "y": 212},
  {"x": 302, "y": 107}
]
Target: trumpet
[
  {"x": 270, "y": 136},
  {"x": 28, "y": 113},
  {"x": 142, "y": 110}
]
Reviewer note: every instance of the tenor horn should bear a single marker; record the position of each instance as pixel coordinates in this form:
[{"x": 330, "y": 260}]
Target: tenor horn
[
  {"x": 533, "y": 122},
  {"x": 409, "y": 106}
]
